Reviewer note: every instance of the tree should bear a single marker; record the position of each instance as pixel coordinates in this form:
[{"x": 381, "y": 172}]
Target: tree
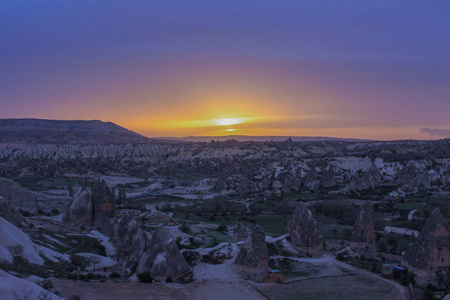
[
  {"x": 222, "y": 228},
  {"x": 94, "y": 259},
  {"x": 71, "y": 190},
  {"x": 79, "y": 262}
]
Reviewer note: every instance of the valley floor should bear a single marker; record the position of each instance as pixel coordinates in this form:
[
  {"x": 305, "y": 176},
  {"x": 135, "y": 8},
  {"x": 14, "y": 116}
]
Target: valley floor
[{"x": 222, "y": 282}]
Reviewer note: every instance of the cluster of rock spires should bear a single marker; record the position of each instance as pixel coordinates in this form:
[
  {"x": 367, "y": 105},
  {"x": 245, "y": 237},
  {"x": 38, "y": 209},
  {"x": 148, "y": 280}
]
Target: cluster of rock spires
[
  {"x": 159, "y": 256},
  {"x": 304, "y": 231},
  {"x": 362, "y": 239},
  {"x": 431, "y": 249},
  {"x": 163, "y": 258},
  {"x": 252, "y": 260}
]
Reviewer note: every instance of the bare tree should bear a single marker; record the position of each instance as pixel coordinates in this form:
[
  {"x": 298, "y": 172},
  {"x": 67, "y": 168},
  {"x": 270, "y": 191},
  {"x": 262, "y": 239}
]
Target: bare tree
[{"x": 95, "y": 259}]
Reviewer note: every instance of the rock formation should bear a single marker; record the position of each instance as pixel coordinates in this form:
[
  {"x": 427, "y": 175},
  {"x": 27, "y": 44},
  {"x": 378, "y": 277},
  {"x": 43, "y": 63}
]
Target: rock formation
[
  {"x": 363, "y": 235},
  {"x": 80, "y": 213},
  {"x": 18, "y": 197},
  {"x": 104, "y": 208},
  {"x": 304, "y": 231},
  {"x": 129, "y": 239},
  {"x": 328, "y": 179},
  {"x": 10, "y": 215},
  {"x": 252, "y": 260},
  {"x": 431, "y": 249},
  {"x": 163, "y": 258},
  {"x": 14, "y": 242},
  {"x": 240, "y": 233}
]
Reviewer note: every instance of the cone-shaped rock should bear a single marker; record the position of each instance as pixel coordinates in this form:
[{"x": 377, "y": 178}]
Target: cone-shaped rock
[
  {"x": 104, "y": 208},
  {"x": 431, "y": 249},
  {"x": 80, "y": 212},
  {"x": 363, "y": 234},
  {"x": 129, "y": 239},
  {"x": 240, "y": 233},
  {"x": 304, "y": 231},
  {"x": 162, "y": 258},
  {"x": 252, "y": 260}
]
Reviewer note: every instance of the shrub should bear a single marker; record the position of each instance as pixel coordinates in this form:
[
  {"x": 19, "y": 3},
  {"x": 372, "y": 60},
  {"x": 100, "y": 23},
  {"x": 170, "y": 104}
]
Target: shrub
[
  {"x": 145, "y": 277},
  {"x": 114, "y": 275},
  {"x": 186, "y": 229},
  {"x": 222, "y": 228},
  {"x": 46, "y": 284}
]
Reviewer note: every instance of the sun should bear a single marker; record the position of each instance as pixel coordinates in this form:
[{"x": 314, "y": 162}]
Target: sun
[{"x": 229, "y": 121}]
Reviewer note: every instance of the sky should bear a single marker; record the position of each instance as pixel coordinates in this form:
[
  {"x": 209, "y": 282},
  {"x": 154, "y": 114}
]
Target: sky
[{"x": 356, "y": 69}]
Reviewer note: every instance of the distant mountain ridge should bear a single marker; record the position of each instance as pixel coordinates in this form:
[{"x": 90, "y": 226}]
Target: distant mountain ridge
[
  {"x": 42, "y": 131},
  {"x": 245, "y": 138}
]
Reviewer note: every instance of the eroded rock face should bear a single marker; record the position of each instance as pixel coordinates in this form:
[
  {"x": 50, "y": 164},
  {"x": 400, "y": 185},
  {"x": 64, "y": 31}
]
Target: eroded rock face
[
  {"x": 80, "y": 213},
  {"x": 104, "y": 208},
  {"x": 163, "y": 258},
  {"x": 130, "y": 240},
  {"x": 10, "y": 215},
  {"x": 363, "y": 235},
  {"x": 240, "y": 232},
  {"x": 252, "y": 260},
  {"x": 304, "y": 231},
  {"x": 18, "y": 197},
  {"x": 432, "y": 247}
]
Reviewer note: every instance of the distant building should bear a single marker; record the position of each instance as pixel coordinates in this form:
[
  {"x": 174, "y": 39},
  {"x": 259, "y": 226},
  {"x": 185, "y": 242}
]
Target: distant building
[{"x": 430, "y": 252}]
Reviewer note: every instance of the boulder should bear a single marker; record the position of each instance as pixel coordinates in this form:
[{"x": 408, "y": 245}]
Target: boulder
[
  {"x": 252, "y": 260},
  {"x": 304, "y": 231},
  {"x": 362, "y": 239},
  {"x": 162, "y": 258}
]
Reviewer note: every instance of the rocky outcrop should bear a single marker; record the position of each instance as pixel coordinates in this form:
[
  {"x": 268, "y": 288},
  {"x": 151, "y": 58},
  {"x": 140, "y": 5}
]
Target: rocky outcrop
[
  {"x": 431, "y": 250},
  {"x": 240, "y": 233},
  {"x": 15, "y": 243},
  {"x": 18, "y": 197},
  {"x": 10, "y": 215},
  {"x": 80, "y": 214},
  {"x": 252, "y": 260},
  {"x": 362, "y": 239},
  {"x": 104, "y": 208},
  {"x": 130, "y": 241},
  {"x": 163, "y": 258},
  {"x": 304, "y": 231}
]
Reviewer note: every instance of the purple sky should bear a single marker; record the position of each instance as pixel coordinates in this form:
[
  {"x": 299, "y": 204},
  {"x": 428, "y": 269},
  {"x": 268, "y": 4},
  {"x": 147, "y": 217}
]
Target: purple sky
[{"x": 368, "y": 69}]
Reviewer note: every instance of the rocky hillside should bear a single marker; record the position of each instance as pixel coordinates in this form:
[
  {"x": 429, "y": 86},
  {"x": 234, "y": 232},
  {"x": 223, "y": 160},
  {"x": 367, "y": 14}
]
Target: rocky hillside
[{"x": 33, "y": 131}]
